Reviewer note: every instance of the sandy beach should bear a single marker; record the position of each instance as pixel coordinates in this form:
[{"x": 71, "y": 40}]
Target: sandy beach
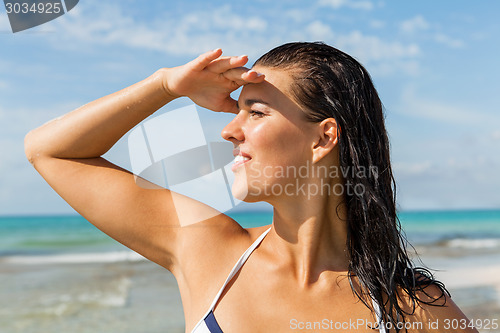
[
  {"x": 140, "y": 296},
  {"x": 473, "y": 280}
]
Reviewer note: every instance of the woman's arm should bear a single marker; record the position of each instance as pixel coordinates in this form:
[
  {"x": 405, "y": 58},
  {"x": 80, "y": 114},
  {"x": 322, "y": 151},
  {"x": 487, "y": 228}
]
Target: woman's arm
[
  {"x": 67, "y": 150},
  {"x": 91, "y": 130}
]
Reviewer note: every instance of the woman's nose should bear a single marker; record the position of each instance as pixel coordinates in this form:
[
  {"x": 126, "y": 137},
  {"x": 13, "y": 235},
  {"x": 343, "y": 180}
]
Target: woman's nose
[{"x": 233, "y": 131}]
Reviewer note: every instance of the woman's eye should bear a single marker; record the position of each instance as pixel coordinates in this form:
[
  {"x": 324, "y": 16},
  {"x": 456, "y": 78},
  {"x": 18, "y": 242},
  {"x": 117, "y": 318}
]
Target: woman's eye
[{"x": 256, "y": 113}]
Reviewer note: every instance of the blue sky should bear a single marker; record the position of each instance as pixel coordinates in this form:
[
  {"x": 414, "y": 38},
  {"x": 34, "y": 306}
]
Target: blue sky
[{"x": 435, "y": 65}]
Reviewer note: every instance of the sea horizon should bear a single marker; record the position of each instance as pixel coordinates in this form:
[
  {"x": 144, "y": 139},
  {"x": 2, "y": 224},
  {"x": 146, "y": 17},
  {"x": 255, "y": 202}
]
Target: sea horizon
[
  {"x": 411, "y": 210},
  {"x": 53, "y": 234}
]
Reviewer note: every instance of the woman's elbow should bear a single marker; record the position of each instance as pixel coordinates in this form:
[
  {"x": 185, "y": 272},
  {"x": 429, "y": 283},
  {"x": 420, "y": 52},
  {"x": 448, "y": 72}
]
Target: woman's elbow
[{"x": 30, "y": 149}]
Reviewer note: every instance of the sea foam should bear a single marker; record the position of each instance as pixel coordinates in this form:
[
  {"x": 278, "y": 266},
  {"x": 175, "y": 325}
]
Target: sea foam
[
  {"x": 486, "y": 243},
  {"x": 75, "y": 258}
]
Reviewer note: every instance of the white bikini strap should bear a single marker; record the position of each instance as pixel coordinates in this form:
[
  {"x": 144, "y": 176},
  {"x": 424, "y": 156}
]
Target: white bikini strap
[
  {"x": 378, "y": 316},
  {"x": 238, "y": 265}
]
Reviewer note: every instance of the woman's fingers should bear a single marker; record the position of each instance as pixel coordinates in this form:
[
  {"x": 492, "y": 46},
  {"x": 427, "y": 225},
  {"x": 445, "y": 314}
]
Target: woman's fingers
[
  {"x": 254, "y": 76},
  {"x": 213, "y": 61},
  {"x": 205, "y": 59},
  {"x": 243, "y": 76},
  {"x": 231, "y": 67},
  {"x": 210, "y": 79},
  {"x": 223, "y": 64}
]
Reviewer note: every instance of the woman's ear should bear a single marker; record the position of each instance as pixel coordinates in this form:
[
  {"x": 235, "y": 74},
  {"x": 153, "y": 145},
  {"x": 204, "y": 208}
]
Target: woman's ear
[{"x": 327, "y": 139}]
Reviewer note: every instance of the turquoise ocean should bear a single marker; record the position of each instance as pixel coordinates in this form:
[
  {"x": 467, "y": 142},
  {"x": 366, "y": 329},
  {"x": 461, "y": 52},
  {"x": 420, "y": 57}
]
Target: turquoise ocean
[
  {"x": 66, "y": 238},
  {"x": 61, "y": 274}
]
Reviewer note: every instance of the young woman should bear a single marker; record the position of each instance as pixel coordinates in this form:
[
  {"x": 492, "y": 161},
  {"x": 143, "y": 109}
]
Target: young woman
[{"x": 333, "y": 258}]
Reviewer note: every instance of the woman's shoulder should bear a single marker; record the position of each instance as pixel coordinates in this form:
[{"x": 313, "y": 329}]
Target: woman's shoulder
[
  {"x": 216, "y": 240},
  {"x": 431, "y": 308},
  {"x": 210, "y": 249}
]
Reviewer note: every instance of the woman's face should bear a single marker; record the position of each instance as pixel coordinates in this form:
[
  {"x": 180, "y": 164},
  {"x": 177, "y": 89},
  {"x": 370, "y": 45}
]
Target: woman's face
[{"x": 271, "y": 137}]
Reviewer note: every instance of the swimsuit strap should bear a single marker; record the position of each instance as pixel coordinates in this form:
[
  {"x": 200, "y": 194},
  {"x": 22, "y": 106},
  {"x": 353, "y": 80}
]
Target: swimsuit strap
[
  {"x": 237, "y": 267},
  {"x": 378, "y": 316},
  {"x": 201, "y": 326}
]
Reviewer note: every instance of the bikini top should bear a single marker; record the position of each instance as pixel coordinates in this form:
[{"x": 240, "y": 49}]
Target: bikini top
[{"x": 208, "y": 324}]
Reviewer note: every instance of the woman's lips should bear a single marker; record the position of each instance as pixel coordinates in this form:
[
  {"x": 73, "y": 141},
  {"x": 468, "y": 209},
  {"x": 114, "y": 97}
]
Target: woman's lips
[
  {"x": 240, "y": 158},
  {"x": 238, "y": 161}
]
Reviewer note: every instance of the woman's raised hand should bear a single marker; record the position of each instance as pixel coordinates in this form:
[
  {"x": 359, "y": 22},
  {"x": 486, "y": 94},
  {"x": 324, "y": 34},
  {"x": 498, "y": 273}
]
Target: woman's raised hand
[{"x": 209, "y": 80}]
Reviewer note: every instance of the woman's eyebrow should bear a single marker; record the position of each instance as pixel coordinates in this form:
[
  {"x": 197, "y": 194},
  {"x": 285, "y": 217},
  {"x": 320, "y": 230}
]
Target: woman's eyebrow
[{"x": 250, "y": 102}]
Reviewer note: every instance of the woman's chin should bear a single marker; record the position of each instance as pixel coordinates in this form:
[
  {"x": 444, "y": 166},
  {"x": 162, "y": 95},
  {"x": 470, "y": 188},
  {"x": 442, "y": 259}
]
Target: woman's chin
[
  {"x": 246, "y": 196},
  {"x": 241, "y": 192}
]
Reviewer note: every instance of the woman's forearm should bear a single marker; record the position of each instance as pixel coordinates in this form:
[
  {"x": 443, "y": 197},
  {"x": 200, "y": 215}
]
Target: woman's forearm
[{"x": 91, "y": 130}]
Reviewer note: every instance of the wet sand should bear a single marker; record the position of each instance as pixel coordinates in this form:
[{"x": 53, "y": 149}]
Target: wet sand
[{"x": 117, "y": 297}]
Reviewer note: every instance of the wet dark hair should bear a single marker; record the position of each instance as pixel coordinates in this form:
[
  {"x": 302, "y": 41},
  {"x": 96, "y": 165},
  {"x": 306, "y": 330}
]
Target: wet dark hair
[{"x": 328, "y": 83}]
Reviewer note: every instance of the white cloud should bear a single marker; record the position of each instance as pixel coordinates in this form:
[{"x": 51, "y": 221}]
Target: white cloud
[
  {"x": 441, "y": 183},
  {"x": 415, "y": 24},
  {"x": 337, "y": 4},
  {"x": 377, "y": 24},
  {"x": 196, "y": 32},
  {"x": 297, "y": 15},
  {"x": 412, "y": 169},
  {"x": 372, "y": 48},
  {"x": 444, "y": 111},
  {"x": 419, "y": 24},
  {"x": 495, "y": 135},
  {"x": 381, "y": 57},
  {"x": 19, "y": 181},
  {"x": 16, "y": 122},
  {"x": 98, "y": 27},
  {"x": 410, "y": 67},
  {"x": 437, "y": 173},
  {"x": 318, "y": 30},
  {"x": 448, "y": 41},
  {"x": 189, "y": 34}
]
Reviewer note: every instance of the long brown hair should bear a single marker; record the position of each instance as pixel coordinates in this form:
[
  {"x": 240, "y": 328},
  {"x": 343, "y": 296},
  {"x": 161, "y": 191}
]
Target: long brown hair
[{"x": 329, "y": 83}]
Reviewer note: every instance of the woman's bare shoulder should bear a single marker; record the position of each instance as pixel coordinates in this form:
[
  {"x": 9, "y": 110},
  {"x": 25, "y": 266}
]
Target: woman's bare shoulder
[
  {"x": 214, "y": 239},
  {"x": 208, "y": 251},
  {"x": 433, "y": 310},
  {"x": 216, "y": 244},
  {"x": 212, "y": 246}
]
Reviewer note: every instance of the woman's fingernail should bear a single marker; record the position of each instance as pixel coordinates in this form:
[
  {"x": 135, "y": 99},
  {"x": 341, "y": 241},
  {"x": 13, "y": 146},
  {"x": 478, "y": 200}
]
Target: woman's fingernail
[
  {"x": 253, "y": 71},
  {"x": 258, "y": 74}
]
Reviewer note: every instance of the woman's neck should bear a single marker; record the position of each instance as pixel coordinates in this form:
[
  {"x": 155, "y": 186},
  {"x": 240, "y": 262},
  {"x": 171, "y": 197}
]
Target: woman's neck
[{"x": 310, "y": 236}]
